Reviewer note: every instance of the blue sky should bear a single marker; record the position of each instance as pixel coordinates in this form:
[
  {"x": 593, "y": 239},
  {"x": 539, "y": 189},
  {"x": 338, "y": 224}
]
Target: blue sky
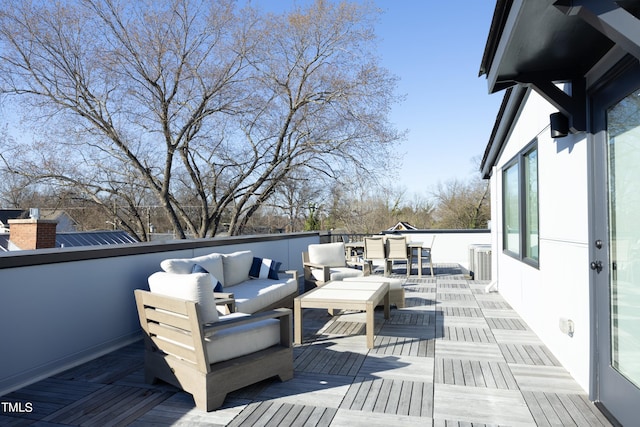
[{"x": 436, "y": 47}]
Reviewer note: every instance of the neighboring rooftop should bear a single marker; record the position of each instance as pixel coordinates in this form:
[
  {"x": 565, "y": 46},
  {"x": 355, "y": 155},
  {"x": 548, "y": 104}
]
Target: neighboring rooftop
[
  {"x": 94, "y": 238},
  {"x": 87, "y": 238},
  {"x": 65, "y": 222},
  {"x": 7, "y": 214},
  {"x": 402, "y": 226}
]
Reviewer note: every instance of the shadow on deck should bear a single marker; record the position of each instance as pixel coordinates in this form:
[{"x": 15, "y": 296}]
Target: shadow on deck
[{"x": 454, "y": 355}]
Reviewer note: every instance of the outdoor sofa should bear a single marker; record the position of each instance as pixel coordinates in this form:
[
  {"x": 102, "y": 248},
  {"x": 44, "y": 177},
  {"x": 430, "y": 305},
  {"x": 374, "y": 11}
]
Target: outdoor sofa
[{"x": 255, "y": 284}]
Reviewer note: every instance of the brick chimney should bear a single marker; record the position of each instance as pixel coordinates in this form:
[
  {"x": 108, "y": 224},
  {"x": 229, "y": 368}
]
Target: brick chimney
[{"x": 32, "y": 233}]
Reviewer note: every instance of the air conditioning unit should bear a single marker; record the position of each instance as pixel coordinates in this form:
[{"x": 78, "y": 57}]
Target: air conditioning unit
[{"x": 480, "y": 261}]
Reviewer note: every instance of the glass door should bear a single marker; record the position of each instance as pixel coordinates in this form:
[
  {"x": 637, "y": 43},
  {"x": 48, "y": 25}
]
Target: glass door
[
  {"x": 616, "y": 261},
  {"x": 623, "y": 131}
]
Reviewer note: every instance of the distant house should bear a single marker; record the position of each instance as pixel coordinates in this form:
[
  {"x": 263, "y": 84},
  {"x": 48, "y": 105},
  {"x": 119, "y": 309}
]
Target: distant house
[
  {"x": 7, "y": 214},
  {"x": 402, "y": 226},
  {"x": 563, "y": 160},
  {"x": 65, "y": 222}
]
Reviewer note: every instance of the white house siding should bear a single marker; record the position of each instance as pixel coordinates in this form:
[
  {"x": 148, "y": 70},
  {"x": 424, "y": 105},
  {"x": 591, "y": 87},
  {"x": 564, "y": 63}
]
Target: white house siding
[{"x": 559, "y": 288}]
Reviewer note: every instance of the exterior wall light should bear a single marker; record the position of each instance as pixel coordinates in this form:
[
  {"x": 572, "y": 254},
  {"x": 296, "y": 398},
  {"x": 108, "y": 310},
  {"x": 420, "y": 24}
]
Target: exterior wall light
[{"x": 559, "y": 124}]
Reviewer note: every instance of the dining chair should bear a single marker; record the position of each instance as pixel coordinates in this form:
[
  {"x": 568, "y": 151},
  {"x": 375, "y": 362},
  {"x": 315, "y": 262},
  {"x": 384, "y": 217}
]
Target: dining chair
[
  {"x": 427, "y": 252},
  {"x": 374, "y": 250},
  {"x": 397, "y": 251}
]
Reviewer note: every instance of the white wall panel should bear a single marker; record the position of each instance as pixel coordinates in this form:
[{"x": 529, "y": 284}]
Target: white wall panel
[{"x": 559, "y": 287}]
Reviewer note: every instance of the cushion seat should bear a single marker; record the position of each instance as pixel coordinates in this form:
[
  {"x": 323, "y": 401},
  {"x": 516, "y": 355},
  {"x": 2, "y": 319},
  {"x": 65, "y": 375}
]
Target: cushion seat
[
  {"x": 242, "y": 340},
  {"x": 254, "y": 294},
  {"x": 336, "y": 273}
]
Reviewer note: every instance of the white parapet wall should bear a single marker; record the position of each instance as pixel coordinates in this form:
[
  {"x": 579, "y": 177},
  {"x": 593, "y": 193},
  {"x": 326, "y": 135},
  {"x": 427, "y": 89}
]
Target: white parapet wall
[
  {"x": 62, "y": 307},
  {"x": 450, "y": 246}
]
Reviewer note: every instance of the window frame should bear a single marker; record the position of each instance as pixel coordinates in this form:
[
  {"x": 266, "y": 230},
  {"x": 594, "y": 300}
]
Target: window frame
[{"x": 525, "y": 230}]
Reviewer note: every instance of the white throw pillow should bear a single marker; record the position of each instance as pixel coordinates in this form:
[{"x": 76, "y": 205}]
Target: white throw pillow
[
  {"x": 211, "y": 262},
  {"x": 197, "y": 287},
  {"x": 236, "y": 267}
]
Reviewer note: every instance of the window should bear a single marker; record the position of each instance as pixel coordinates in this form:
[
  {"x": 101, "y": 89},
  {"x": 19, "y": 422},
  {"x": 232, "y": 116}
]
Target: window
[
  {"x": 520, "y": 206},
  {"x": 531, "y": 204},
  {"x": 511, "y": 205}
]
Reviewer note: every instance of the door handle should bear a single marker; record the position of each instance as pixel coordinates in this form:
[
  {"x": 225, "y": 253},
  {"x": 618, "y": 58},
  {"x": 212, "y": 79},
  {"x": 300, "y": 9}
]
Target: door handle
[{"x": 596, "y": 265}]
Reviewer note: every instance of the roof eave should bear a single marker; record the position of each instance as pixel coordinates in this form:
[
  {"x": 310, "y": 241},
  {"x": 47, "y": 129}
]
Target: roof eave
[{"x": 510, "y": 109}]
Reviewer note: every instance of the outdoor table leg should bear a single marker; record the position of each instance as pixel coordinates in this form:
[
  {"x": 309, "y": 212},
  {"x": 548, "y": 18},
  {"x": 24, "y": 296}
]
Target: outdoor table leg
[
  {"x": 371, "y": 307},
  {"x": 297, "y": 314},
  {"x": 387, "y": 303}
]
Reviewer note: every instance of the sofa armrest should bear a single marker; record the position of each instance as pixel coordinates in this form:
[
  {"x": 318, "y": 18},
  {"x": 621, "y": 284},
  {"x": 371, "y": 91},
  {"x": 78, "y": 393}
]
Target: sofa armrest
[
  {"x": 227, "y": 300},
  {"x": 223, "y": 295},
  {"x": 293, "y": 273},
  {"x": 283, "y": 314},
  {"x": 312, "y": 265},
  {"x": 326, "y": 270}
]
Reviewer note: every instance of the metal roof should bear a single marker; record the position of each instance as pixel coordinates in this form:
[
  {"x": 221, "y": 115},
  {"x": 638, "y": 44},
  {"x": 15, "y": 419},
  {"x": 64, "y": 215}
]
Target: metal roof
[
  {"x": 88, "y": 238},
  {"x": 93, "y": 238}
]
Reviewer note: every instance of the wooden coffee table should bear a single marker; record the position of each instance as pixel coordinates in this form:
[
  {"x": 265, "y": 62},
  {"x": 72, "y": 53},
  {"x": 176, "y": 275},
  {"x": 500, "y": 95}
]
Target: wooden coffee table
[{"x": 350, "y": 295}]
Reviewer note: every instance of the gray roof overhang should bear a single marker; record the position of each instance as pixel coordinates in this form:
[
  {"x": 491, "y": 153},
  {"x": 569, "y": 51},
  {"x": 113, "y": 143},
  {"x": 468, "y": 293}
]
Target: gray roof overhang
[
  {"x": 537, "y": 43},
  {"x": 536, "y": 40}
]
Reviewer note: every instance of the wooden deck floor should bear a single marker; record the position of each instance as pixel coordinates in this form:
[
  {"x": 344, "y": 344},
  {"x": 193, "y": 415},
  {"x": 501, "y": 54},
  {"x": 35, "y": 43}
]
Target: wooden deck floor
[{"x": 454, "y": 356}]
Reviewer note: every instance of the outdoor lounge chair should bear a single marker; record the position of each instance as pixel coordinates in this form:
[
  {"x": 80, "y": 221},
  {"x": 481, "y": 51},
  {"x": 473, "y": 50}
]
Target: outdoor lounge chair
[
  {"x": 325, "y": 262},
  {"x": 186, "y": 345}
]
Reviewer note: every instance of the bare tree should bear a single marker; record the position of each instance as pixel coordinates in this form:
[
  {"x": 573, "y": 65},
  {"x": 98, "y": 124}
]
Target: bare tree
[
  {"x": 191, "y": 105},
  {"x": 293, "y": 197},
  {"x": 461, "y": 205},
  {"x": 320, "y": 102}
]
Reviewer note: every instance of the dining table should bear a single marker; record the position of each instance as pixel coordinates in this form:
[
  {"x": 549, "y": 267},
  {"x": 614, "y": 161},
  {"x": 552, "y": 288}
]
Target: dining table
[{"x": 355, "y": 249}]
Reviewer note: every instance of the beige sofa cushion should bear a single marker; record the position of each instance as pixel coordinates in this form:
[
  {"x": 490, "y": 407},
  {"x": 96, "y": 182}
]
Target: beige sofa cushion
[
  {"x": 336, "y": 273},
  {"x": 197, "y": 287},
  {"x": 331, "y": 254},
  {"x": 256, "y": 294},
  {"x": 242, "y": 340},
  {"x": 236, "y": 268},
  {"x": 212, "y": 263}
]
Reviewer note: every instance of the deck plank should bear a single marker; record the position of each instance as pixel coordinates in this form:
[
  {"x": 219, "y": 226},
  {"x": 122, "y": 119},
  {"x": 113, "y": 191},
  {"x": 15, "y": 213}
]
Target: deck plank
[{"x": 451, "y": 356}]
